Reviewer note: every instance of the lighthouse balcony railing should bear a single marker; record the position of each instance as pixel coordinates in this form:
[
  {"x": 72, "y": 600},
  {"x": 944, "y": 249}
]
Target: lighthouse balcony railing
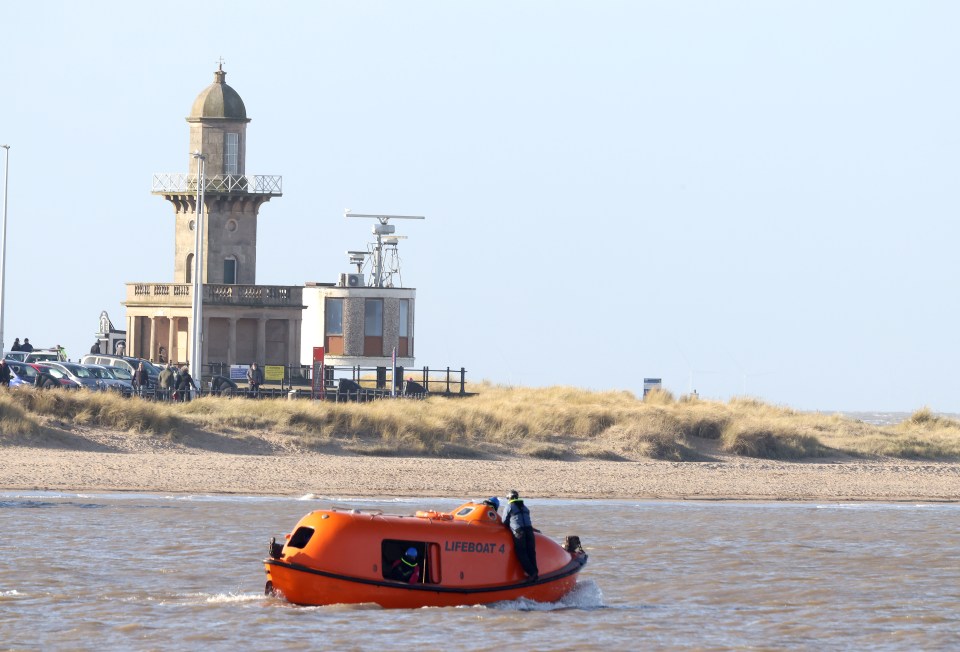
[
  {"x": 181, "y": 294},
  {"x": 180, "y": 182}
]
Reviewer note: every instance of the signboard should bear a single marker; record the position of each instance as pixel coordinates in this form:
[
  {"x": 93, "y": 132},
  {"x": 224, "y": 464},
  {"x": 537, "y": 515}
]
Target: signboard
[
  {"x": 239, "y": 372},
  {"x": 273, "y": 372}
]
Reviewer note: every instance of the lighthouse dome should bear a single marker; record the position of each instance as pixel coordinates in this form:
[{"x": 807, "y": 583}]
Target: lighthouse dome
[{"x": 218, "y": 101}]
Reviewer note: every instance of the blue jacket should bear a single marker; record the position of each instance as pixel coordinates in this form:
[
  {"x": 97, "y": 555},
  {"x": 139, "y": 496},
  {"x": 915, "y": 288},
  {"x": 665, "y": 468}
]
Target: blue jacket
[{"x": 516, "y": 515}]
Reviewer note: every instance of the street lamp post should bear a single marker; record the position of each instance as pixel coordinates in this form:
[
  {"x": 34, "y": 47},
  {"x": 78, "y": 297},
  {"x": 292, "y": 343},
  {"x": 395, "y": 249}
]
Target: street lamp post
[
  {"x": 196, "y": 343},
  {"x": 3, "y": 239}
]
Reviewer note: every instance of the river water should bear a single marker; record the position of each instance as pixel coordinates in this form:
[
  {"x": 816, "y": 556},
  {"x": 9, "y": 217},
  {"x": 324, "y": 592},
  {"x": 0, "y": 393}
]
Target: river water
[{"x": 155, "y": 572}]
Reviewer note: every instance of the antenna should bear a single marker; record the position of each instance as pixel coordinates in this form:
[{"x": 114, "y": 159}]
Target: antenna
[
  {"x": 383, "y": 253},
  {"x": 358, "y": 258}
]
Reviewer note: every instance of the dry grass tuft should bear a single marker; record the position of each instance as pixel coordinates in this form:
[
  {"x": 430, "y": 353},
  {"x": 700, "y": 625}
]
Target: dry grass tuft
[
  {"x": 14, "y": 419},
  {"x": 659, "y": 396},
  {"x": 102, "y": 409},
  {"x": 771, "y": 441}
]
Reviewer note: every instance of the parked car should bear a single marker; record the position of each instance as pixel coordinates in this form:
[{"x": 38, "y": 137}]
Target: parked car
[
  {"x": 15, "y": 380},
  {"x": 74, "y": 373},
  {"x": 37, "y": 376},
  {"x": 123, "y": 362},
  {"x": 43, "y": 355},
  {"x": 114, "y": 378},
  {"x": 15, "y": 355}
]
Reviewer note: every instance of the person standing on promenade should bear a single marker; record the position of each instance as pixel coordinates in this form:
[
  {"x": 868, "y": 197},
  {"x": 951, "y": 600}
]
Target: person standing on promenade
[
  {"x": 516, "y": 517},
  {"x": 184, "y": 384},
  {"x": 255, "y": 379},
  {"x": 165, "y": 383},
  {"x": 26, "y": 346},
  {"x": 140, "y": 379},
  {"x": 16, "y": 345}
]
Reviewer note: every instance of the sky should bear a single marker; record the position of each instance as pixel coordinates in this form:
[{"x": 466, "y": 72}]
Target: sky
[{"x": 742, "y": 198}]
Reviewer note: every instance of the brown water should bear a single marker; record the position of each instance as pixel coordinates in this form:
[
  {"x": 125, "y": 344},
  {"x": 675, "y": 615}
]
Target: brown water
[{"x": 142, "y": 572}]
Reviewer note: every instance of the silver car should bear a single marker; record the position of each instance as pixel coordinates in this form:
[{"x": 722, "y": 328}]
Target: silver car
[
  {"x": 114, "y": 378},
  {"x": 76, "y": 373}
]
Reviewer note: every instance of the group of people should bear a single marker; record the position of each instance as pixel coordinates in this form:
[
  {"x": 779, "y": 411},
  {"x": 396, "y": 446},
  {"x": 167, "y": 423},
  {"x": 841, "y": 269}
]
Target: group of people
[
  {"x": 26, "y": 346},
  {"x": 516, "y": 518},
  {"x": 172, "y": 383}
]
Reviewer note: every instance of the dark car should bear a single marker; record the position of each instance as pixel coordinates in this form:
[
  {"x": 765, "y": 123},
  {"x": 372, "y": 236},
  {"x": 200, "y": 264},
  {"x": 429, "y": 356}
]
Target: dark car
[
  {"x": 115, "y": 379},
  {"x": 123, "y": 362},
  {"x": 76, "y": 374}
]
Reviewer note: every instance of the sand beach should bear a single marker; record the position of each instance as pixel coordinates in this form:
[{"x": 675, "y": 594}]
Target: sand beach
[{"x": 81, "y": 459}]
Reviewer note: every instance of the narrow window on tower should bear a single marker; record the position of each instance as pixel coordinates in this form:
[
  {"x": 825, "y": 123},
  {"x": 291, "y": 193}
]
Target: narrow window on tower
[
  {"x": 232, "y": 154},
  {"x": 189, "y": 275},
  {"x": 334, "y": 326},
  {"x": 404, "y": 347},
  {"x": 229, "y": 271},
  {"x": 373, "y": 327}
]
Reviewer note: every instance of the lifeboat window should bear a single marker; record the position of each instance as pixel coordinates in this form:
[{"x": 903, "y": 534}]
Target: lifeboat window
[
  {"x": 427, "y": 560},
  {"x": 300, "y": 537},
  {"x": 465, "y": 511}
]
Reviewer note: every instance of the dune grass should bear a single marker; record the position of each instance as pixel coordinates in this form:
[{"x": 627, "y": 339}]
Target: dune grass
[{"x": 544, "y": 423}]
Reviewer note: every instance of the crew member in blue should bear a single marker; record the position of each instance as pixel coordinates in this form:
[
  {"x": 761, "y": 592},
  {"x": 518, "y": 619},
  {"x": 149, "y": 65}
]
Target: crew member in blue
[
  {"x": 516, "y": 517},
  {"x": 406, "y": 569}
]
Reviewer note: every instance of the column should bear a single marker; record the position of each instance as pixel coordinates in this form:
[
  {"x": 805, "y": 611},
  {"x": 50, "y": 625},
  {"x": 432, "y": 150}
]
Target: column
[
  {"x": 291, "y": 342},
  {"x": 231, "y": 340},
  {"x": 151, "y": 354},
  {"x": 261, "y": 340},
  {"x": 172, "y": 324},
  {"x": 205, "y": 343},
  {"x": 299, "y": 340},
  {"x": 131, "y": 338}
]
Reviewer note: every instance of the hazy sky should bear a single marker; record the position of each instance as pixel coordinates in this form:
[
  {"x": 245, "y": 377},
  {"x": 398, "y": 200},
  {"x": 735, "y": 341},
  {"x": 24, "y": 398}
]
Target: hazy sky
[{"x": 739, "y": 197}]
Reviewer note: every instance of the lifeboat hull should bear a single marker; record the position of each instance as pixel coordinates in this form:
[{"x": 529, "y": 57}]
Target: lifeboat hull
[
  {"x": 300, "y": 586},
  {"x": 465, "y": 557}
]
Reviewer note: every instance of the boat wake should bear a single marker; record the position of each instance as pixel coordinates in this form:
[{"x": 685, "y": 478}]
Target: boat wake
[{"x": 585, "y": 595}]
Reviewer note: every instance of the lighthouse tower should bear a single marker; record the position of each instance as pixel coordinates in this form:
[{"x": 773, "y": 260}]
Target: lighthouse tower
[
  {"x": 242, "y": 322},
  {"x": 218, "y": 131}
]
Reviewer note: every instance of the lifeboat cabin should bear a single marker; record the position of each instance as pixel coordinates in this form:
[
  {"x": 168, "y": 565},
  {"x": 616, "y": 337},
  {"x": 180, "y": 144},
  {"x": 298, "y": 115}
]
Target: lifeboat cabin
[{"x": 462, "y": 557}]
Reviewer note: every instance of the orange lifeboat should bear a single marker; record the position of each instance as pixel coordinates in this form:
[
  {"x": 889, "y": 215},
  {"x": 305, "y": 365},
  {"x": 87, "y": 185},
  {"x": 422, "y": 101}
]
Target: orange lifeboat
[{"x": 463, "y": 557}]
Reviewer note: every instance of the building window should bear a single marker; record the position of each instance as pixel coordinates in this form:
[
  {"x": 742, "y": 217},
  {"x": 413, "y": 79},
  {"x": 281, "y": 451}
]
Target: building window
[
  {"x": 229, "y": 271},
  {"x": 373, "y": 317},
  {"x": 404, "y": 347},
  {"x": 373, "y": 327},
  {"x": 333, "y": 326},
  {"x": 189, "y": 275},
  {"x": 232, "y": 154}
]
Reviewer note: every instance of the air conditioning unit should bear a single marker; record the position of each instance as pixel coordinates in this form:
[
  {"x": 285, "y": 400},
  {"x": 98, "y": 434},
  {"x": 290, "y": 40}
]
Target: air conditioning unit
[{"x": 351, "y": 280}]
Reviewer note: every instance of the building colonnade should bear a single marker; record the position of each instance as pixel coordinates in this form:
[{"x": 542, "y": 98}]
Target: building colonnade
[{"x": 230, "y": 339}]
